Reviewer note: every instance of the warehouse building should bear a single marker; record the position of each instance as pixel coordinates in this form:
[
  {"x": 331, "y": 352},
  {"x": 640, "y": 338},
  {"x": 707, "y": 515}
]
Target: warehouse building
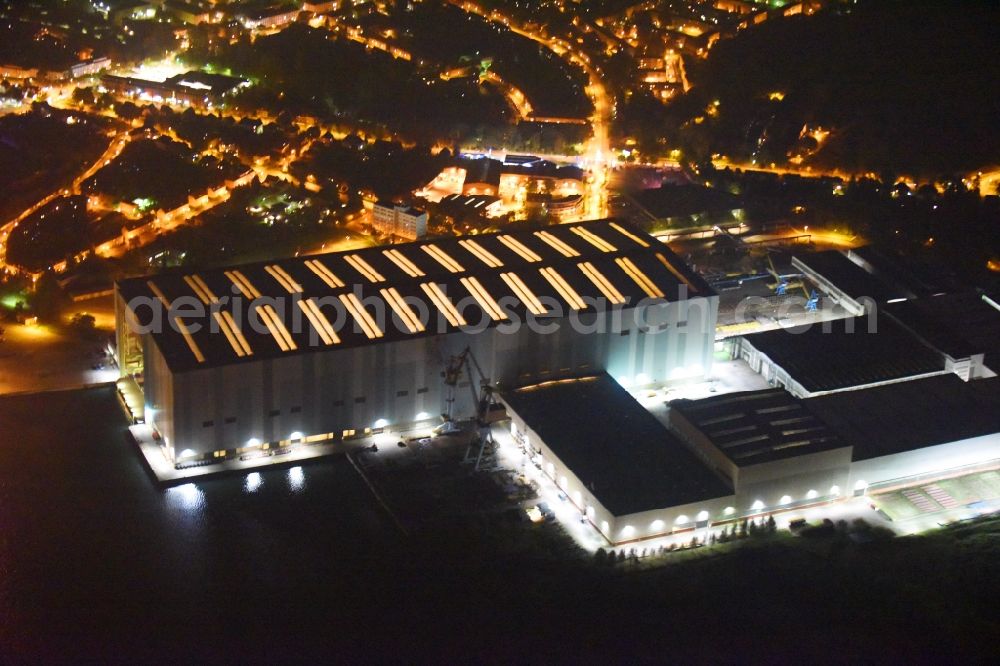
[
  {"x": 313, "y": 349},
  {"x": 745, "y": 454},
  {"x": 897, "y": 433},
  {"x": 781, "y": 452},
  {"x": 769, "y": 446},
  {"x": 961, "y": 326},
  {"x": 867, "y": 277},
  {"x": 964, "y": 328},
  {"x": 630, "y": 476},
  {"x": 838, "y": 355}
]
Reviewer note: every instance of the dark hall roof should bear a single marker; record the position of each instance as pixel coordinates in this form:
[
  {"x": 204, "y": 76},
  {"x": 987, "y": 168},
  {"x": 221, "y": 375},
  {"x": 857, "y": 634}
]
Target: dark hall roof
[
  {"x": 850, "y": 278},
  {"x": 911, "y": 415},
  {"x": 847, "y": 353},
  {"x": 621, "y": 452},
  {"x": 959, "y": 325},
  {"x": 384, "y": 293}
]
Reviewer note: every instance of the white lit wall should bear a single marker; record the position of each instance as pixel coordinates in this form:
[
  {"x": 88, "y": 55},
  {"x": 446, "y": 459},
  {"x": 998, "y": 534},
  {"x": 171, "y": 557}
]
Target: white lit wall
[
  {"x": 329, "y": 391},
  {"x": 896, "y": 468}
]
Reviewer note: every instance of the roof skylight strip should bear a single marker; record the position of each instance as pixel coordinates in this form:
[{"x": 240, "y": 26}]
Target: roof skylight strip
[
  {"x": 594, "y": 239},
  {"x": 363, "y": 267},
  {"x": 558, "y": 244},
  {"x": 228, "y": 332},
  {"x": 327, "y": 326},
  {"x": 293, "y": 283},
  {"x": 205, "y": 288},
  {"x": 324, "y": 273},
  {"x": 565, "y": 290},
  {"x": 639, "y": 277},
  {"x": 284, "y": 279},
  {"x": 181, "y": 327},
  {"x": 481, "y": 253},
  {"x": 196, "y": 288},
  {"x": 361, "y": 315},
  {"x": 276, "y": 327},
  {"x": 401, "y": 308},
  {"x": 602, "y": 283},
  {"x": 243, "y": 284},
  {"x": 520, "y": 248},
  {"x": 527, "y": 297},
  {"x": 317, "y": 326},
  {"x": 443, "y": 258},
  {"x": 237, "y": 332},
  {"x": 483, "y": 297},
  {"x": 446, "y": 307},
  {"x": 404, "y": 263},
  {"x": 628, "y": 234}
]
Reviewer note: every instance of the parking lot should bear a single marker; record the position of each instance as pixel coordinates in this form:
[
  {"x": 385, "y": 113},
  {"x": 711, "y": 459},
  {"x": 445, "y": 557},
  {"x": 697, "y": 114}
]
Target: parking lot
[{"x": 941, "y": 501}]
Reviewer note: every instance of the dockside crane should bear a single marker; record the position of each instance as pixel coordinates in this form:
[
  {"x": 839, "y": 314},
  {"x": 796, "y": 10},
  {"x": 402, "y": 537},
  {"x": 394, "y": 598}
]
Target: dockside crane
[{"x": 486, "y": 413}]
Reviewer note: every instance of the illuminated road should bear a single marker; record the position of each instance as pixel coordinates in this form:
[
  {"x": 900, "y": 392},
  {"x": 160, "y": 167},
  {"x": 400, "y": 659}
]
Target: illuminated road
[
  {"x": 805, "y": 172},
  {"x": 598, "y": 152},
  {"x": 113, "y": 150}
]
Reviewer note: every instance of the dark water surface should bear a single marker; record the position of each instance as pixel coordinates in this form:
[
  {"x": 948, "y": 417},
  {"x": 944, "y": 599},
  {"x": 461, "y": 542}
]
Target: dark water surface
[
  {"x": 93, "y": 555},
  {"x": 97, "y": 564}
]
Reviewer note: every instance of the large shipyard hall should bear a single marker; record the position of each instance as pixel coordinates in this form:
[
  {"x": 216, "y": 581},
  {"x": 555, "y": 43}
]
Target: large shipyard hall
[{"x": 270, "y": 356}]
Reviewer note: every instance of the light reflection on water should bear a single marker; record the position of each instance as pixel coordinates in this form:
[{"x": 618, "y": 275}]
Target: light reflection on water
[
  {"x": 188, "y": 498},
  {"x": 252, "y": 482},
  {"x": 296, "y": 478}
]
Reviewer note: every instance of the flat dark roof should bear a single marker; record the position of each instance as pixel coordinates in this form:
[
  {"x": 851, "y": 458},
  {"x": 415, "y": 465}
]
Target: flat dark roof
[
  {"x": 957, "y": 324},
  {"x": 752, "y": 427},
  {"x": 674, "y": 200},
  {"x": 850, "y": 278},
  {"x": 845, "y": 353},
  {"x": 621, "y": 452},
  {"x": 558, "y": 263},
  {"x": 905, "y": 273},
  {"x": 911, "y": 415}
]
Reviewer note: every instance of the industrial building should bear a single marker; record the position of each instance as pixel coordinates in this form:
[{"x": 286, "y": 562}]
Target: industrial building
[
  {"x": 838, "y": 355},
  {"x": 963, "y": 328},
  {"x": 744, "y": 454},
  {"x": 267, "y": 356},
  {"x": 194, "y": 87},
  {"x": 630, "y": 476},
  {"x": 275, "y": 357},
  {"x": 769, "y": 446},
  {"x": 855, "y": 409}
]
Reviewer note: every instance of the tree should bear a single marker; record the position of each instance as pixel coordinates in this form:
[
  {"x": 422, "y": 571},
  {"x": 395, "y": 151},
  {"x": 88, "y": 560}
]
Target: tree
[
  {"x": 600, "y": 557},
  {"x": 84, "y": 96},
  {"x": 127, "y": 111},
  {"x": 772, "y": 525},
  {"x": 83, "y": 324},
  {"x": 48, "y": 299},
  {"x": 743, "y": 528}
]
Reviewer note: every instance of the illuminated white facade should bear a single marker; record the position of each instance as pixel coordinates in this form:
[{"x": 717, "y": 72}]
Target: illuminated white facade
[
  {"x": 323, "y": 376},
  {"x": 401, "y": 221}
]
